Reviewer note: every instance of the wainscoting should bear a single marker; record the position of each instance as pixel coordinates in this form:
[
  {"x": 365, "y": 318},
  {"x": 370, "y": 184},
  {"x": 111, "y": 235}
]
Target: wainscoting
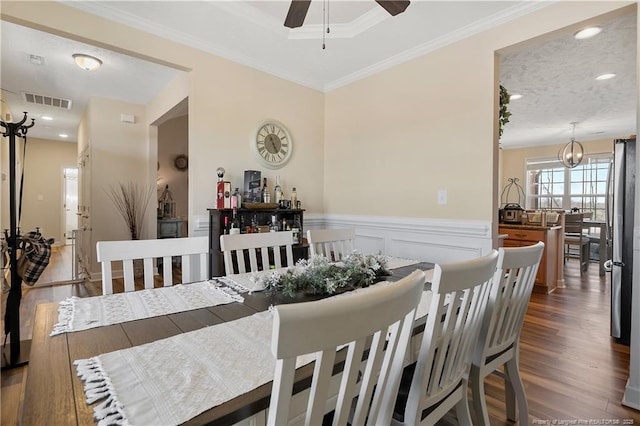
[{"x": 432, "y": 240}]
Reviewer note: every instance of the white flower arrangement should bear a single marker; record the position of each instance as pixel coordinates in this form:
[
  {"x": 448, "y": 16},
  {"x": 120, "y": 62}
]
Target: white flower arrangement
[{"x": 317, "y": 275}]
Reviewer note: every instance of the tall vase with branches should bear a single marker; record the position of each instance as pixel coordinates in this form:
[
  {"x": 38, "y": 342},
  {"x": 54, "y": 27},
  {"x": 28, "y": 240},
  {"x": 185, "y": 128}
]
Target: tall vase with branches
[{"x": 132, "y": 201}]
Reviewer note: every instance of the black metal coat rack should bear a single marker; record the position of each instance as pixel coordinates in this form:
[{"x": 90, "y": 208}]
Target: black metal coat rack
[{"x": 12, "y": 313}]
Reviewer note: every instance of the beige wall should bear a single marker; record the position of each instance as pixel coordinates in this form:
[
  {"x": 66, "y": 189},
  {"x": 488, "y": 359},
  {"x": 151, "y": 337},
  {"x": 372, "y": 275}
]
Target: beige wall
[
  {"x": 173, "y": 140},
  {"x": 381, "y": 146},
  {"x": 395, "y": 139},
  {"x": 514, "y": 160},
  {"x": 43, "y": 197},
  {"x": 119, "y": 154}
]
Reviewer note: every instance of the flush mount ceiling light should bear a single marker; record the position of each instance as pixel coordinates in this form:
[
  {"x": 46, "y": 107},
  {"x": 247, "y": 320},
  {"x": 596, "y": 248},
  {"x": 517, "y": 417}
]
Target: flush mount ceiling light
[
  {"x": 87, "y": 62},
  {"x": 587, "y": 33},
  {"x": 605, "y": 76},
  {"x": 572, "y": 153}
]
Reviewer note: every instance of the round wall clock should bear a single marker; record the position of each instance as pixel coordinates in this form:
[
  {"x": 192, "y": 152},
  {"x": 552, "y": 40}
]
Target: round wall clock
[
  {"x": 181, "y": 162},
  {"x": 272, "y": 144}
]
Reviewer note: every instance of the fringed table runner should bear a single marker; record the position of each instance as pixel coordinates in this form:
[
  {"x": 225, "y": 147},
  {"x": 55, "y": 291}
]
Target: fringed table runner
[
  {"x": 76, "y": 314},
  {"x": 172, "y": 380},
  {"x": 169, "y": 381}
]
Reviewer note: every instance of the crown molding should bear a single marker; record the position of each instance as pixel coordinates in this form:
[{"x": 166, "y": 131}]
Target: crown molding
[
  {"x": 134, "y": 21},
  {"x": 452, "y": 37},
  {"x": 256, "y": 16}
]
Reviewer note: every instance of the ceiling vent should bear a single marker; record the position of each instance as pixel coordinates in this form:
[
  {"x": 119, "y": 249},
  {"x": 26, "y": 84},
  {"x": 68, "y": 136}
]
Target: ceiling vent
[{"x": 46, "y": 100}]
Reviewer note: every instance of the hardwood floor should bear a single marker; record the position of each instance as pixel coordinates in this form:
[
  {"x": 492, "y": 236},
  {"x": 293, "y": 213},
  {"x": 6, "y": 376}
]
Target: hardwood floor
[{"x": 571, "y": 369}]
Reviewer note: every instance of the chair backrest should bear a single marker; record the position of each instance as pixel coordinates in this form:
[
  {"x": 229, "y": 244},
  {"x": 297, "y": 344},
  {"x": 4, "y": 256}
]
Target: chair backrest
[
  {"x": 460, "y": 295},
  {"x": 234, "y": 246},
  {"x": 573, "y": 223},
  {"x": 383, "y": 313},
  {"x": 149, "y": 250},
  {"x": 331, "y": 243},
  {"x": 508, "y": 300}
]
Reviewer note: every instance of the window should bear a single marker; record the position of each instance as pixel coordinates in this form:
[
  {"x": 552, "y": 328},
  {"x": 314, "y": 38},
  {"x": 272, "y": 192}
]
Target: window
[{"x": 550, "y": 185}]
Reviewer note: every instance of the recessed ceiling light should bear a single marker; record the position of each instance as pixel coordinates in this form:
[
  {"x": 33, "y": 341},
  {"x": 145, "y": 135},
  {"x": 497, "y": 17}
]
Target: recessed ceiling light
[
  {"x": 87, "y": 62},
  {"x": 515, "y": 96},
  {"x": 587, "y": 33},
  {"x": 63, "y": 135},
  {"x": 46, "y": 118},
  {"x": 605, "y": 76}
]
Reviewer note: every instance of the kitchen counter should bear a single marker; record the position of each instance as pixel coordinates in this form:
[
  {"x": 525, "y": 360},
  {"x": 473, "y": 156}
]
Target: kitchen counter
[
  {"x": 551, "y": 270},
  {"x": 529, "y": 226}
]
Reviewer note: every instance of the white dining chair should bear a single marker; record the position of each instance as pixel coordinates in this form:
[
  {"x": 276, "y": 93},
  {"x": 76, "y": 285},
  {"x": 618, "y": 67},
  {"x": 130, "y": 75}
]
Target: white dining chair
[
  {"x": 257, "y": 246},
  {"x": 188, "y": 249},
  {"x": 331, "y": 243},
  {"x": 382, "y": 314},
  {"x": 498, "y": 344},
  {"x": 438, "y": 380}
]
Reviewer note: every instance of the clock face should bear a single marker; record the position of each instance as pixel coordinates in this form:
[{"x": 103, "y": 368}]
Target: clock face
[{"x": 273, "y": 144}]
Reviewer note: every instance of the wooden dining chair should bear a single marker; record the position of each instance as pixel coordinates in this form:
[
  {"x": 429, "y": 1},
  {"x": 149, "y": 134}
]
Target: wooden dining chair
[
  {"x": 331, "y": 243},
  {"x": 382, "y": 314},
  {"x": 263, "y": 250},
  {"x": 498, "y": 344},
  {"x": 188, "y": 249},
  {"x": 574, "y": 236},
  {"x": 438, "y": 380}
]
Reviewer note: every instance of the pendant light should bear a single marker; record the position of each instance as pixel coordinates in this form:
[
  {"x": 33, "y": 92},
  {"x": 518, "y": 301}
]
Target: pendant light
[{"x": 572, "y": 153}]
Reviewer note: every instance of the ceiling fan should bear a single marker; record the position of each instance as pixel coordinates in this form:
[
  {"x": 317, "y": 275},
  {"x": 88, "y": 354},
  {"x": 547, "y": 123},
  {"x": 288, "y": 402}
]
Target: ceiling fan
[{"x": 298, "y": 10}]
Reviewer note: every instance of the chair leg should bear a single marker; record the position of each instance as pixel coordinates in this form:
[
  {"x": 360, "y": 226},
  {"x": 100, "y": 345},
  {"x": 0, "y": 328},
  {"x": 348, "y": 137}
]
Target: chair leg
[
  {"x": 513, "y": 373},
  {"x": 462, "y": 408},
  {"x": 478, "y": 397}
]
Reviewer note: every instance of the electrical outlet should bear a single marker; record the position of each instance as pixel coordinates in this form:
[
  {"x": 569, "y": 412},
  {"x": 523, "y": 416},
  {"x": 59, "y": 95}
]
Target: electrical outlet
[{"x": 442, "y": 196}]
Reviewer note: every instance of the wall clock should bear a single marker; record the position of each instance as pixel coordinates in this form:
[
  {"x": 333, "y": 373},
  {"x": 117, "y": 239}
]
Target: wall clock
[
  {"x": 272, "y": 144},
  {"x": 181, "y": 162}
]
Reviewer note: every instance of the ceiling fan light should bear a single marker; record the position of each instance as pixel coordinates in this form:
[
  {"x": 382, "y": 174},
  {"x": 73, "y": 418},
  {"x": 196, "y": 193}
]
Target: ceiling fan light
[
  {"x": 87, "y": 62},
  {"x": 587, "y": 33}
]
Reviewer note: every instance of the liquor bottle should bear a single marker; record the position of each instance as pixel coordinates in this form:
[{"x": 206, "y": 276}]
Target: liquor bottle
[
  {"x": 273, "y": 227},
  {"x": 266, "y": 195},
  {"x": 236, "y": 199},
  {"x": 235, "y": 225},
  {"x": 294, "y": 198},
  {"x": 277, "y": 191},
  {"x": 226, "y": 225}
]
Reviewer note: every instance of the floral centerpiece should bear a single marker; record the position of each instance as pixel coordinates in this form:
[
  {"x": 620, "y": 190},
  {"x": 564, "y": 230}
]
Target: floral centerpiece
[{"x": 317, "y": 275}]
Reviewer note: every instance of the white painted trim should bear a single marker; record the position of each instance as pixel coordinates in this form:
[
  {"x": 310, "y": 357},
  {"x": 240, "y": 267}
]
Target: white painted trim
[{"x": 108, "y": 12}]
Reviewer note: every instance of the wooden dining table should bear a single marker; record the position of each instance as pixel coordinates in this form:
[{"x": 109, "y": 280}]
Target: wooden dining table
[{"x": 55, "y": 395}]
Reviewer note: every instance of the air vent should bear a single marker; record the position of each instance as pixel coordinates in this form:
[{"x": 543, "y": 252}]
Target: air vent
[{"x": 46, "y": 100}]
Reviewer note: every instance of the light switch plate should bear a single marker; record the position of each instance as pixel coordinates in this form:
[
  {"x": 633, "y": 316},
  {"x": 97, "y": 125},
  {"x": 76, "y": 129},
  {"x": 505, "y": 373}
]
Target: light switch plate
[{"x": 442, "y": 196}]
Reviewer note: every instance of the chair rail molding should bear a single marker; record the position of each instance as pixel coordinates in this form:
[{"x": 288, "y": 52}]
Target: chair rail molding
[{"x": 424, "y": 239}]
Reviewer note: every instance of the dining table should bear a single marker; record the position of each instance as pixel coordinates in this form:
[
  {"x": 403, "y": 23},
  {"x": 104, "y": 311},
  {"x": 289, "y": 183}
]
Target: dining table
[{"x": 55, "y": 395}]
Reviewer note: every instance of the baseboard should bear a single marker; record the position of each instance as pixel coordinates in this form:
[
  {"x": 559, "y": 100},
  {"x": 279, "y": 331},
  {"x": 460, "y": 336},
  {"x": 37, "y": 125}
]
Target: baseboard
[{"x": 631, "y": 397}]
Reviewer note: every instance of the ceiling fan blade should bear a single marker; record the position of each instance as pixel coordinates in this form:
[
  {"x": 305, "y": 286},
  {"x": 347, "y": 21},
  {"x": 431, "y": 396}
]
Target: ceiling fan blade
[
  {"x": 297, "y": 13},
  {"x": 393, "y": 7}
]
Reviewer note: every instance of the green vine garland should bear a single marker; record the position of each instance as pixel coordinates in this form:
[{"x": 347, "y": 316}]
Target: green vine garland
[{"x": 504, "y": 110}]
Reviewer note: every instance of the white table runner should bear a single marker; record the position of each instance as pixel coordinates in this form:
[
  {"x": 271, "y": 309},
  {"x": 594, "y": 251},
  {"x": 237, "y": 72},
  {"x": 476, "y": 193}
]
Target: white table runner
[
  {"x": 172, "y": 380},
  {"x": 76, "y": 314}
]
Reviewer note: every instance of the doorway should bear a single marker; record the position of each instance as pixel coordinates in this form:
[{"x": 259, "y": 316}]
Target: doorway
[{"x": 70, "y": 205}]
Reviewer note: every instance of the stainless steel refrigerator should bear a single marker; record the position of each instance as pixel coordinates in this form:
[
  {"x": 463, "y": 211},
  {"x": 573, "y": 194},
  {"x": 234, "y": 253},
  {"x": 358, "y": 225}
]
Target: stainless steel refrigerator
[{"x": 620, "y": 216}]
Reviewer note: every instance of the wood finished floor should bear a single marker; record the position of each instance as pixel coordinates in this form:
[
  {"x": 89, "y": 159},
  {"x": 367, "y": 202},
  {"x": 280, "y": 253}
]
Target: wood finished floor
[{"x": 570, "y": 367}]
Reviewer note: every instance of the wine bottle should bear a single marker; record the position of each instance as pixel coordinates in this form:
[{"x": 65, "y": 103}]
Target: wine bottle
[
  {"x": 235, "y": 225},
  {"x": 277, "y": 191},
  {"x": 226, "y": 225},
  {"x": 266, "y": 195}
]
